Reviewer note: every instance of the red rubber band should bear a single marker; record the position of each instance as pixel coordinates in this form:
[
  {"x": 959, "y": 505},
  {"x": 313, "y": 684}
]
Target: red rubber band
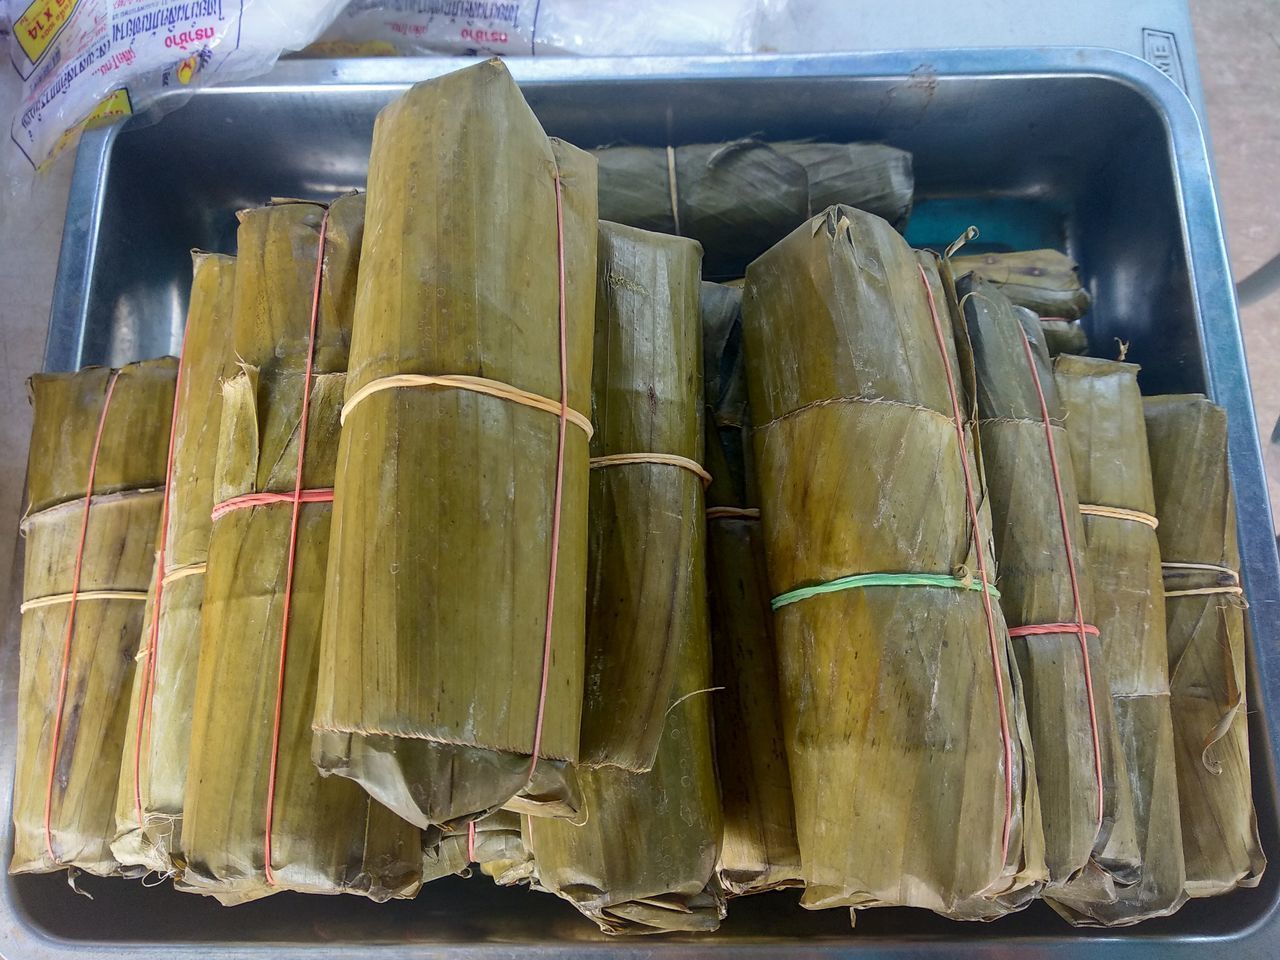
[
  {"x": 471, "y": 841},
  {"x": 1039, "y": 629},
  {"x": 982, "y": 570},
  {"x": 1080, "y": 626},
  {"x": 71, "y": 620},
  {"x": 297, "y": 500},
  {"x": 555, "y": 517},
  {"x": 244, "y": 501}
]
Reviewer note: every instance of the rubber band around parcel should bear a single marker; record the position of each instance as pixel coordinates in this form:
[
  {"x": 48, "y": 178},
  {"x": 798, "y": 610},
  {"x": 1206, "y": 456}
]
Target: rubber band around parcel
[
  {"x": 81, "y": 595},
  {"x": 491, "y": 388},
  {"x": 863, "y": 580},
  {"x": 665, "y": 459}
]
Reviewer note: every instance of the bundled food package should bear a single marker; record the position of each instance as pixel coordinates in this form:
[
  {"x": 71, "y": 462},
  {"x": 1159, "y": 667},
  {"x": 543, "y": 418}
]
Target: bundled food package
[
  {"x": 645, "y": 859},
  {"x": 1107, "y": 439},
  {"x": 453, "y": 642},
  {"x": 95, "y": 479},
  {"x": 739, "y": 198},
  {"x": 259, "y": 818},
  {"x": 893, "y": 655},
  {"x": 1046, "y": 591},
  {"x": 646, "y": 541},
  {"x": 153, "y": 770},
  {"x": 758, "y": 850},
  {"x": 1060, "y": 336},
  {"x": 1044, "y": 281},
  {"x": 1206, "y": 631}
]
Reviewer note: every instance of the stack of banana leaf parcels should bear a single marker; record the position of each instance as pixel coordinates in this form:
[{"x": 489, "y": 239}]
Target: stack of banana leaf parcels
[{"x": 472, "y": 528}]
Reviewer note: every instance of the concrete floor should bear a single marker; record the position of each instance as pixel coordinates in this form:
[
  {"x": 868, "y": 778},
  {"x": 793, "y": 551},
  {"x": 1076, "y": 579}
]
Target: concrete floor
[
  {"x": 1239, "y": 53},
  {"x": 1238, "y": 42}
]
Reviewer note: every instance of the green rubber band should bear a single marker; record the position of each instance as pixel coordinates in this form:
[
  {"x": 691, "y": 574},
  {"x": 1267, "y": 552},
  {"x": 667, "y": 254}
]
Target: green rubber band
[{"x": 862, "y": 580}]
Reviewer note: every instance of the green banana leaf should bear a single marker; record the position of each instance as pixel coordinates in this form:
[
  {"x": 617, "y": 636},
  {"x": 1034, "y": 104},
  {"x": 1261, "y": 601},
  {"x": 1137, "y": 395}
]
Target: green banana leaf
[
  {"x": 1044, "y": 281},
  {"x": 738, "y": 198},
  {"x": 758, "y": 850},
  {"x": 435, "y": 617},
  {"x": 1187, "y": 438},
  {"x": 1107, "y": 439},
  {"x": 646, "y": 544},
  {"x": 861, "y": 472},
  {"x": 69, "y": 757},
  {"x": 153, "y": 769},
  {"x": 1083, "y": 784}
]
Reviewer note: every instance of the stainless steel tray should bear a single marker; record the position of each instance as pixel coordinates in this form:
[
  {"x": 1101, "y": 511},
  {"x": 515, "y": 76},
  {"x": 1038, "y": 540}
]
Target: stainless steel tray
[{"x": 1088, "y": 148}]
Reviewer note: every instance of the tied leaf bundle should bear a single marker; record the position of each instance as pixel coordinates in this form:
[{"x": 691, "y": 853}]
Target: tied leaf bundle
[
  {"x": 1187, "y": 437},
  {"x": 1060, "y": 336},
  {"x": 645, "y": 860},
  {"x": 1044, "y": 583},
  {"x": 646, "y": 539},
  {"x": 153, "y": 769},
  {"x": 102, "y": 435},
  {"x": 259, "y": 818},
  {"x": 739, "y": 198},
  {"x": 1108, "y": 444},
  {"x": 452, "y": 655},
  {"x": 758, "y": 850},
  {"x": 903, "y": 678},
  {"x": 1046, "y": 282}
]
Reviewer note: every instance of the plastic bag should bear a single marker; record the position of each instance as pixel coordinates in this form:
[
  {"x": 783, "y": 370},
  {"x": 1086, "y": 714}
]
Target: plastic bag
[
  {"x": 96, "y": 61},
  {"x": 543, "y": 27}
]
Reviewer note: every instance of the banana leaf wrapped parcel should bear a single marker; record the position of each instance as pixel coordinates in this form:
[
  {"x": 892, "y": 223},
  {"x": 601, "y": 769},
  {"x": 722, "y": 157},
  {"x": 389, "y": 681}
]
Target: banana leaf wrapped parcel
[
  {"x": 153, "y": 769},
  {"x": 758, "y": 850},
  {"x": 646, "y": 541},
  {"x": 739, "y": 198},
  {"x": 645, "y": 860},
  {"x": 453, "y": 641},
  {"x": 1205, "y": 626},
  {"x": 1107, "y": 439},
  {"x": 1045, "y": 590},
  {"x": 893, "y": 655},
  {"x": 259, "y": 818},
  {"x": 95, "y": 479},
  {"x": 1044, "y": 281}
]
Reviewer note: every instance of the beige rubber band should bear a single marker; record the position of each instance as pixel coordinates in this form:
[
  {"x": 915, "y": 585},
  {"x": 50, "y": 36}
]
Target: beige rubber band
[
  {"x": 490, "y": 388},
  {"x": 1205, "y": 591},
  {"x": 671, "y": 187},
  {"x": 190, "y": 570},
  {"x": 1119, "y": 513},
  {"x": 666, "y": 459},
  {"x": 740, "y": 513},
  {"x": 58, "y": 598},
  {"x": 1211, "y": 567}
]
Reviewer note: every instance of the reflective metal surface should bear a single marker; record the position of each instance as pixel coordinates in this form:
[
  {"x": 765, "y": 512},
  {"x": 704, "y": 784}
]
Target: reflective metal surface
[{"x": 1088, "y": 148}]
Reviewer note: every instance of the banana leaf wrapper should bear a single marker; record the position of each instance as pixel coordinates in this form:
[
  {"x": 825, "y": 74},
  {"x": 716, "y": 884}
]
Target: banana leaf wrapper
[
  {"x": 153, "y": 769},
  {"x": 645, "y": 860},
  {"x": 873, "y": 177},
  {"x": 739, "y": 198},
  {"x": 1072, "y": 725},
  {"x": 1062, "y": 336},
  {"x": 327, "y": 835},
  {"x": 647, "y": 535},
  {"x": 758, "y": 850},
  {"x": 890, "y": 700},
  {"x": 436, "y": 607},
  {"x": 1044, "y": 281},
  {"x": 496, "y": 846},
  {"x": 1187, "y": 438},
  {"x": 1107, "y": 439},
  {"x": 119, "y": 546}
]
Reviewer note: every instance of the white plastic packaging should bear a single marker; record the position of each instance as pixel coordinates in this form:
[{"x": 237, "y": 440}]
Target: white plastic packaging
[
  {"x": 545, "y": 27},
  {"x": 99, "y": 60}
]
